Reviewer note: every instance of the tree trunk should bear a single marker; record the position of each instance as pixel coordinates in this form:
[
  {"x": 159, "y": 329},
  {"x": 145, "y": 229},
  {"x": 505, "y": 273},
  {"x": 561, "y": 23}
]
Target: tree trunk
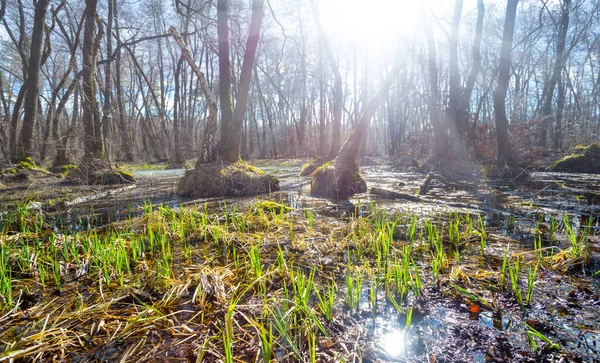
[
  {"x": 338, "y": 95},
  {"x": 463, "y": 111},
  {"x": 440, "y": 135},
  {"x": 14, "y": 121},
  {"x": 456, "y": 126},
  {"x": 232, "y": 145},
  {"x": 504, "y": 154},
  {"x": 208, "y": 152},
  {"x": 225, "y": 101},
  {"x": 125, "y": 135},
  {"x": 177, "y": 158},
  {"x": 32, "y": 83},
  {"x": 559, "y": 64},
  {"x": 107, "y": 91},
  {"x": 341, "y": 178},
  {"x": 92, "y": 130}
]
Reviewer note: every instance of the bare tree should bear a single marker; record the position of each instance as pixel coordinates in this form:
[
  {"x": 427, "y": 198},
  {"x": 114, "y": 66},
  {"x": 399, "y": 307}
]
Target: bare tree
[
  {"x": 92, "y": 123},
  {"x": 504, "y": 152},
  {"x": 32, "y": 83}
]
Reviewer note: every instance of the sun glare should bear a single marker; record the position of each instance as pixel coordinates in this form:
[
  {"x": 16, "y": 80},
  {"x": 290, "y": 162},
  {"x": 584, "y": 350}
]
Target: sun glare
[
  {"x": 376, "y": 22},
  {"x": 394, "y": 343}
]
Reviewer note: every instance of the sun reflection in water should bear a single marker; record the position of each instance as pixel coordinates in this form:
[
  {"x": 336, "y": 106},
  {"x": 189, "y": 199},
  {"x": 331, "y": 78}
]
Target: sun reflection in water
[{"x": 393, "y": 342}]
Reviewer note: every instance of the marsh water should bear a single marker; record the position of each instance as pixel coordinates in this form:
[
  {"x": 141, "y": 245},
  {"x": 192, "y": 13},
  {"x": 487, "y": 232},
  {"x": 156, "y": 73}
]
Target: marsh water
[{"x": 443, "y": 325}]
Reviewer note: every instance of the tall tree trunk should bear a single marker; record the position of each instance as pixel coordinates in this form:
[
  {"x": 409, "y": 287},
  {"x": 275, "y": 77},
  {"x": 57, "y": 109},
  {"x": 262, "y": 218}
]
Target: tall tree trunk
[
  {"x": 338, "y": 95},
  {"x": 208, "y": 152},
  {"x": 341, "y": 178},
  {"x": 322, "y": 104},
  {"x": 107, "y": 91},
  {"x": 14, "y": 121},
  {"x": 504, "y": 154},
  {"x": 559, "y": 64},
  {"x": 225, "y": 101},
  {"x": 177, "y": 158},
  {"x": 233, "y": 142},
  {"x": 124, "y": 126},
  {"x": 60, "y": 158},
  {"x": 92, "y": 130},
  {"x": 440, "y": 135},
  {"x": 456, "y": 126},
  {"x": 463, "y": 111},
  {"x": 32, "y": 83}
]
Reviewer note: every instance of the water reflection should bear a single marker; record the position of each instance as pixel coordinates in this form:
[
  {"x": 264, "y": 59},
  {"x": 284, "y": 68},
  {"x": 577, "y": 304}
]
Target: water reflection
[{"x": 394, "y": 343}]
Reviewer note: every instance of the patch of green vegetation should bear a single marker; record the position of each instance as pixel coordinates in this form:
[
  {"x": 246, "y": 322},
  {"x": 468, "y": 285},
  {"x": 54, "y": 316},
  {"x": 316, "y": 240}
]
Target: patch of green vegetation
[
  {"x": 245, "y": 166},
  {"x": 27, "y": 164},
  {"x": 145, "y": 166},
  {"x": 125, "y": 174},
  {"x": 583, "y": 159},
  {"x": 269, "y": 207},
  {"x": 66, "y": 169},
  {"x": 594, "y": 147},
  {"x": 323, "y": 167}
]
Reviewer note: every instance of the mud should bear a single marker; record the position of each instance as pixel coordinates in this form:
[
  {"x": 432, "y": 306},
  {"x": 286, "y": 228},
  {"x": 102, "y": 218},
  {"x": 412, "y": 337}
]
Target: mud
[{"x": 446, "y": 325}]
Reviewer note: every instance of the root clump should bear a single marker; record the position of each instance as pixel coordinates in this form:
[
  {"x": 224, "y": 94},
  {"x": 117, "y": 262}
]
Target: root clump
[
  {"x": 98, "y": 172},
  {"x": 219, "y": 180}
]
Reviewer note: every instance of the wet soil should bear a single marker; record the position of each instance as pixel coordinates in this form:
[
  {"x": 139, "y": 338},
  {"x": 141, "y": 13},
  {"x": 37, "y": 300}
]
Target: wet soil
[{"x": 447, "y": 324}]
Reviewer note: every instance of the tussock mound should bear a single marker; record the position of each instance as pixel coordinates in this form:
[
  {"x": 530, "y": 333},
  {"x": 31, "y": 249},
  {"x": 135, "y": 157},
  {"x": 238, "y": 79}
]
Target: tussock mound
[
  {"x": 219, "y": 180},
  {"x": 583, "y": 159}
]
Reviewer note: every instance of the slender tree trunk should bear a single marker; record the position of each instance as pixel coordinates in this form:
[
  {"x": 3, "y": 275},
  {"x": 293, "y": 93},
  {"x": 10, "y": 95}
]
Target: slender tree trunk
[
  {"x": 504, "y": 153},
  {"x": 124, "y": 126},
  {"x": 563, "y": 27},
  {"x": 62, "y": 143},
  {"x": 463, "y": 111},
  {"x": 225, "y": 101},
  {"x": 440, "y": 136},
  {"x": 14, "y": 121},
  {"x": 177, "y": 158},
  {"x": 348, "y": 155},
  {"x": 32, "y": 83},
  {"x": 106, "y": 108},
  {"x": 455, "y": 125},
  {"x": 208, "y": 152},
  {"x": 233, "y": 141},
  {"x": 92, "y": 131},
  {"x": 338, "y": 95}
]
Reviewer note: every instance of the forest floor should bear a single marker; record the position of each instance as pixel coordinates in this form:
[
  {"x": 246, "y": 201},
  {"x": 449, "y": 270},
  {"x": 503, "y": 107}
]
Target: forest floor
[{"x": 475, "y": 270}]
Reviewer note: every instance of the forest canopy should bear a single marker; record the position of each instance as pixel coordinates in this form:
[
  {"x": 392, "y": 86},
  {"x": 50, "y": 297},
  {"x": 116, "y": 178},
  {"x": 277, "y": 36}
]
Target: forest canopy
[{"x": 150, "y": 105}]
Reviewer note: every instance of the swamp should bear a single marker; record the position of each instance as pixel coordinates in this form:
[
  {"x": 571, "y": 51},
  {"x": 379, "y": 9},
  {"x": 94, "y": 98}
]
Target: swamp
[
  {"x": 485, "y": 270},
  {"x": 282, "y": 181}
]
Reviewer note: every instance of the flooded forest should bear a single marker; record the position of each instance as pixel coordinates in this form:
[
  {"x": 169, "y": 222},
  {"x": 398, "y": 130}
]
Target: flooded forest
[{"x": 299, "y": 181}]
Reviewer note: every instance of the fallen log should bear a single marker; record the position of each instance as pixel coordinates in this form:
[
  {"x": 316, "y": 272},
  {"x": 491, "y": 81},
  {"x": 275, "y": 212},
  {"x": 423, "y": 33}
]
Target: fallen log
[{"x": 389, "y": 194}]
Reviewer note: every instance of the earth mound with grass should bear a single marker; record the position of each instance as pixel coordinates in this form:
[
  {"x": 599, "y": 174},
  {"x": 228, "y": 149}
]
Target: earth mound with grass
[
  {"x": 222, "y": 180},
  {"x": 582, "y": 159},
  {"x": 23, "y": 171},
  {"x": 98, "y": 172},
  {"x": 336, "y": 181}
]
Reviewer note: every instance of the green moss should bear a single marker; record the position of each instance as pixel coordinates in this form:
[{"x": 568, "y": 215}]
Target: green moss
[
  {"x": 245, "y": 166},
  {"x": 583, "y": 159},
  {"x": 27, "y": 164},
  {"x": 126, "y": 174},
  {"x": 593, "y": 148},
  {"x": 66, "y": 169},
  {"x": 270, "y": 207}
]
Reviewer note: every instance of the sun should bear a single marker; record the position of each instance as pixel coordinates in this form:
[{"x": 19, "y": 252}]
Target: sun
[{"x": 374, "y": 22}]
